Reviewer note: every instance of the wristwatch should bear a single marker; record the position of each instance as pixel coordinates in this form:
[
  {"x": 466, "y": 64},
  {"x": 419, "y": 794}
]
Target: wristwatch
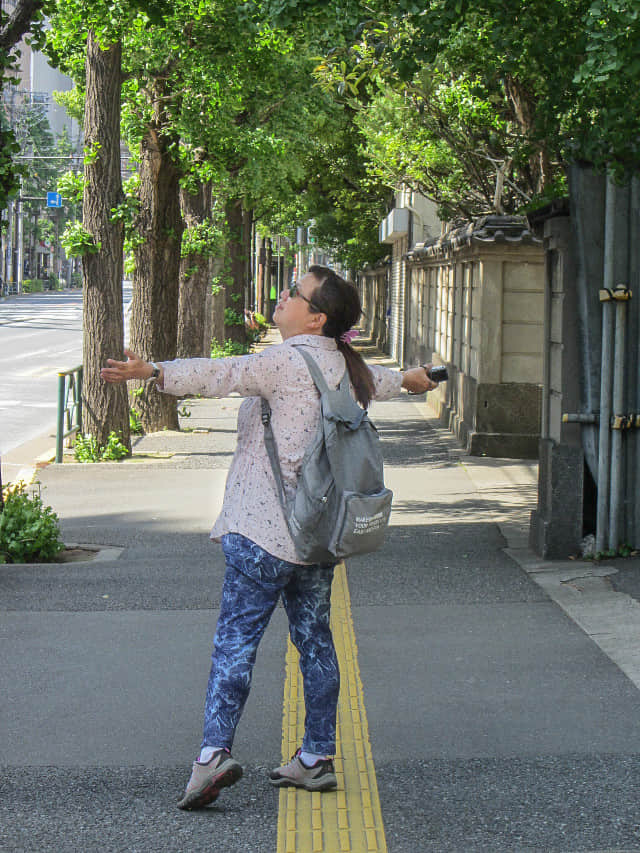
[{"x": 155, "y": 372}]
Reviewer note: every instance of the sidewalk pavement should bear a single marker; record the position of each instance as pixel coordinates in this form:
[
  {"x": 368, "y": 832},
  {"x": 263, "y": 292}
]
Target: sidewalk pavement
[{"x": 502, "y": 715}]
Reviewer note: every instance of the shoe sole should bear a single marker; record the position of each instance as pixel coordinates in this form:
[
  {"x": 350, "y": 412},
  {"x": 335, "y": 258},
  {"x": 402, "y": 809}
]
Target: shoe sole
[
  {"x": 209, "y": 793},
  {"x": 291, "y": 783}
]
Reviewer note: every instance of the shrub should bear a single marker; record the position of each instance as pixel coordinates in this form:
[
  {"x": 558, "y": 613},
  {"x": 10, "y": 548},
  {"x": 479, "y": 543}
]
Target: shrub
[
  {"x": 228, "y": 348},
  {"x": 261, "y": 321},
  {"x": 87, "y": 449},
  {"x": 32, "y": 285},
  {"x": 29, "y": 531}
]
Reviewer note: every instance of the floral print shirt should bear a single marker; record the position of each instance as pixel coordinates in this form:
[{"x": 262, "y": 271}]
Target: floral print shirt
[{"x": 280, "y": 375}]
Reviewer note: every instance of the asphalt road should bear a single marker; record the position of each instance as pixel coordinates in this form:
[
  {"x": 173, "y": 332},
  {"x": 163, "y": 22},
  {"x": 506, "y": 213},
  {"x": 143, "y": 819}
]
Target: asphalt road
[
  {"x": 40, "y": 335},
  {"x": 497, "y": 725}
]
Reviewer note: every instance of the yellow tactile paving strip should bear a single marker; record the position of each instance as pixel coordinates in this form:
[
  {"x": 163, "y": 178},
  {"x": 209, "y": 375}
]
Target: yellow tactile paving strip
[{"x": 348, "y": 820}]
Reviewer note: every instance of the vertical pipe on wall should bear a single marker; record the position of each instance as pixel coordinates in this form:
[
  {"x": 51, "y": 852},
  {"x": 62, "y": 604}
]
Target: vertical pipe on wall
[
  {"x": 617, "y": 477},
  {"x": 604, "y": 445},
  {"x": 633, "y": 402},
  {"x": 545, "y": 416}
]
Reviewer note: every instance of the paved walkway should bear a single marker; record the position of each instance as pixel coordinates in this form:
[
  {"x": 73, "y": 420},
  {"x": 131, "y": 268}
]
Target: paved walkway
[{"x": 476, "y": 714}]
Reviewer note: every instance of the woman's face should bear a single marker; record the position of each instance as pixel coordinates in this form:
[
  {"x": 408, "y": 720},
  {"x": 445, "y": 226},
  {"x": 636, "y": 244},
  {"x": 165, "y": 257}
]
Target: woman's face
[{"x": 293, "y": 314}]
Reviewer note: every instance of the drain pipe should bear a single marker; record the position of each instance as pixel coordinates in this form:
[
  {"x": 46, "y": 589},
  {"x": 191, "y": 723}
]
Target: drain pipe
[
  {"x": 622, "y": 295},
  {"x": 633, "y": 457},
  {"x": 604, "y": 445}
]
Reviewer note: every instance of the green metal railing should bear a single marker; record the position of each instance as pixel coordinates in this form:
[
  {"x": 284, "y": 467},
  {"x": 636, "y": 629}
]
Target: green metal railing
[{"x": 69, "y": 407}]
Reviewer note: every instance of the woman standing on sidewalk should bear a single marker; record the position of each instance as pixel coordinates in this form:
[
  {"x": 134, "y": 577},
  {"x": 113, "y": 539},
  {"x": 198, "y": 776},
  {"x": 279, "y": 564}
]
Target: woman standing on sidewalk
[{"x": 262, "y": 566}]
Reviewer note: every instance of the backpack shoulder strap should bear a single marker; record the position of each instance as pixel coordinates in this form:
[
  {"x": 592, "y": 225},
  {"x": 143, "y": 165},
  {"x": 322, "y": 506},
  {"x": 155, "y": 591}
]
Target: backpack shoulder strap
[
  {"x": 272, "y": 453},
  {"x": 316, "y": 373}
]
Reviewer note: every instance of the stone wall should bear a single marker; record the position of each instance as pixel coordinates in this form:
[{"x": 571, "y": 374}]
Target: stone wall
[
  {"x": 373, "y": 285},
  {"x": 475, "y": 302},
  {"x": 557, "y": 522}
]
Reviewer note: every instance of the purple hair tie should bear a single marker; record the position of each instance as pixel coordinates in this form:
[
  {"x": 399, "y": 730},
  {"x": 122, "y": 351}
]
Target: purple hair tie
[{"x": 349, "y": 336}]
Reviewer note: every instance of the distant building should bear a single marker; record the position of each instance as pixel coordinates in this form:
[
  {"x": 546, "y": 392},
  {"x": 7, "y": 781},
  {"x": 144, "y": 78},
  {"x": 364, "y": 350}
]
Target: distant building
[
  {"x": 38, "y": 82},
  {"x": 32, "y": 98}
]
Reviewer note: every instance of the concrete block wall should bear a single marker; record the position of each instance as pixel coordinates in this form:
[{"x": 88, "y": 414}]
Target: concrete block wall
[
  {"x": 475, "y": 301},
  {"x": 373, "y": 285}
]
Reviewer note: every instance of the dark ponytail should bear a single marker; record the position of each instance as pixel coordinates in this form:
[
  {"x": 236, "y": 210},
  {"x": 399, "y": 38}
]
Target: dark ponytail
[{"x": 340, "y": 301}]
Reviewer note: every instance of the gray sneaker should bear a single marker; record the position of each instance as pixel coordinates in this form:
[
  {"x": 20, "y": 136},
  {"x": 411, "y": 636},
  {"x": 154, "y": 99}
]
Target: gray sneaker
[
  {"x": 208, "y": 778},
  {"x": 320, "y": 777}
]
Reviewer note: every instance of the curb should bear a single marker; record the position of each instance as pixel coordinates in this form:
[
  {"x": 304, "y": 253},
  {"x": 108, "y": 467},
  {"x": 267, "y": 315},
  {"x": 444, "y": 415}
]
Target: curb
[
  {"x": 28, "y": 474},
  {"x": 101, "y": 554}
]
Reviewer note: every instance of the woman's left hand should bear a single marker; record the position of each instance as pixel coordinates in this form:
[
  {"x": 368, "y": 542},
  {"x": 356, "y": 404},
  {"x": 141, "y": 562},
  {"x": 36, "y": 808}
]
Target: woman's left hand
[{"x": 122, "y": 371}]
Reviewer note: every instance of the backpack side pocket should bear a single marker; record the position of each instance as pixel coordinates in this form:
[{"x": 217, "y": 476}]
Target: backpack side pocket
[{"x": 361, "y": 523}]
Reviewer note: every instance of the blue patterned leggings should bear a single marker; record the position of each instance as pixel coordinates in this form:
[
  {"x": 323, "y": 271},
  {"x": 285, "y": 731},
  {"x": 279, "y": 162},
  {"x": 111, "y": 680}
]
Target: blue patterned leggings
[{"x": 254, "y": 582}]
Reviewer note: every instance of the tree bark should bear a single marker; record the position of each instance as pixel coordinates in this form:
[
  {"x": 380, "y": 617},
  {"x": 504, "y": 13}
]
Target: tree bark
[
  {"x": 267, "y": 305},
  {"x": 217, "y": 304},
  {"x": 154, "y": 306},
  {"x": 262, "y": 254},
  {"x": 18, "y": 23},
  {"x": 238, "y": 259},
  {"x": 105, "y": 407},
  {"x": 195, "y": 278}
]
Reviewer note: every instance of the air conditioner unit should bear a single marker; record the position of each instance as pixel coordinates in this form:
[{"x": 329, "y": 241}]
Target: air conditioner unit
[{"x": 395, "y": 226}]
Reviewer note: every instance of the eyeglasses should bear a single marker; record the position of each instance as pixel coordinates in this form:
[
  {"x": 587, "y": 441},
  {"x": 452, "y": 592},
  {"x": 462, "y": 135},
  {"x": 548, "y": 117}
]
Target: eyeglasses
[{"x": 294, "y": 291}]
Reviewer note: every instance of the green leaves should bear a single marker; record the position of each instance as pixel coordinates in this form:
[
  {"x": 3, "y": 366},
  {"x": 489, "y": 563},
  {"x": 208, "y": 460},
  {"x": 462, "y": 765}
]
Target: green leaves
[
  {"x": 71, "y": 186},
  {"x": 77, "y": 241},
  {"x": 9, "y": 174},
  {"x": 604, "y": 118},
  {"x": 87, "y": 449},
  {"x": 29, "y": 531}
]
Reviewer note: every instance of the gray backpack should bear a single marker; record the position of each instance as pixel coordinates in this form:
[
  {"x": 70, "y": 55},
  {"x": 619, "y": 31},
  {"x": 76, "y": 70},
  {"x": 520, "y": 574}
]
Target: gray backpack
[{"x": 341, "y": 506}]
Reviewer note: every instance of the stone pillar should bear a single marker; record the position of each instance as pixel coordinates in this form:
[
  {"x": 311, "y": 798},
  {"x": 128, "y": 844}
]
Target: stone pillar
[{"x": 557, "y": 522}]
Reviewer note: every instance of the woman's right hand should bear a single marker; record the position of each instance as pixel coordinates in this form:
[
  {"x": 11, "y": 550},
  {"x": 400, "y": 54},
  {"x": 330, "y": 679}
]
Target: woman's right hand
[
  {"x": 122, "y": 371},
  {"x": 416, "y": 380}
]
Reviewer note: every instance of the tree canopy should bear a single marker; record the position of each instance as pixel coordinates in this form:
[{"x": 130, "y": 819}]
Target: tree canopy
[
  {"x": 314, "y": 111},
  {"x": 481, "y": 105}
]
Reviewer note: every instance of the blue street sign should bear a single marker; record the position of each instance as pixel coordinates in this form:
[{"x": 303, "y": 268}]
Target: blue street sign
[{"x": 54, "y": 200}]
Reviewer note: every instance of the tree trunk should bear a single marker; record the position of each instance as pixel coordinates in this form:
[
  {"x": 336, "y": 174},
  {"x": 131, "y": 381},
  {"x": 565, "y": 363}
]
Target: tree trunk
[
  {"x": 248, "y": 237},
  {"x": 523, "y": 105},
  {"x": 105, "y": 407},
  {"x": 195, "y": 278},
  {"x": 235, "y": 286},
  {"x": 262, "y": 254},
  {"x": 268, "y": 306},
  {"x": 14, "y": 26},
  {"x": 154, "y": 306},
  {"x": 217, "y": 303}
]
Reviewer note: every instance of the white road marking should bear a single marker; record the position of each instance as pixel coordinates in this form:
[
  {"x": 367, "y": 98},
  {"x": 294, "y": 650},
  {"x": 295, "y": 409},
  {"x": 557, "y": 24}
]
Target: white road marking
[{"x": 37, "y": 372}]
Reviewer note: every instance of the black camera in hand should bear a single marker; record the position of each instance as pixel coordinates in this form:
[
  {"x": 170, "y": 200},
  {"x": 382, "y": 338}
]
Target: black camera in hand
[{"x": 438, "y": 373}]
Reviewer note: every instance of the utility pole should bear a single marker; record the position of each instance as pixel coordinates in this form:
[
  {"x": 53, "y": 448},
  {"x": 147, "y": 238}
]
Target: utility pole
[
  {"x": 8, "y": 261},
  {"x": 260, "y": 287},
  {"x": 19, "y": 238},
  {"x": 266, "y": 309},
  {"x": 14, "y": 247}
]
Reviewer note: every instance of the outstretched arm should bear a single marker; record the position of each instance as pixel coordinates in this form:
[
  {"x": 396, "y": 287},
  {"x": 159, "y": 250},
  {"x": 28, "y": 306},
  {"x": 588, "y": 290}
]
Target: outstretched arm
[{"x": 133, "y": 368}]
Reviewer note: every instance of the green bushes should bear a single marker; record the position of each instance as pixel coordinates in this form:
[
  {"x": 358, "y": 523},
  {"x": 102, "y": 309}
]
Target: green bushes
[
  {"x": 32, "y": 285},
  {"x": 29, "y": 531},
  {"x": 38, "y": 285},
  {"x": 228, "y": 348},
  {"x": 87, "y": 449}
]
